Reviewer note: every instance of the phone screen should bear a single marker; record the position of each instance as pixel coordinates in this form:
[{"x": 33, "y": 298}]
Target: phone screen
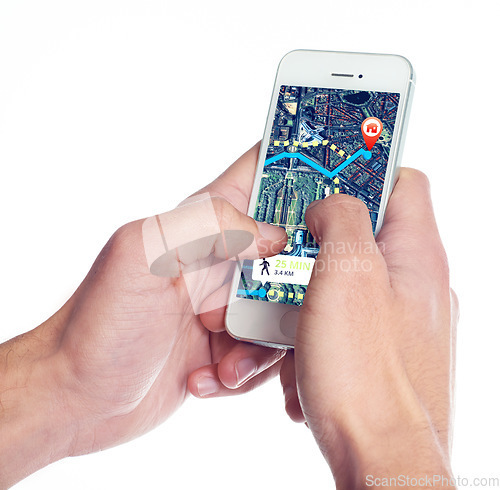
[{"x": 323, "y": 141}]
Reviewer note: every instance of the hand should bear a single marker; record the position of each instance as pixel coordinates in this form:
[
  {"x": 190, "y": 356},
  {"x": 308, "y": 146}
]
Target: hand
[
  {"x": 373, "y": 367},
  {"x": 118, "y": 358}
]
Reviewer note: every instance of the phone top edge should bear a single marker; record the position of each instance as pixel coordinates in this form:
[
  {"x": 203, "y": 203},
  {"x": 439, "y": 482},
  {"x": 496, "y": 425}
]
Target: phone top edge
[
  {"x": 314, "y": 68},
  {"x": 404, "y": 59}
]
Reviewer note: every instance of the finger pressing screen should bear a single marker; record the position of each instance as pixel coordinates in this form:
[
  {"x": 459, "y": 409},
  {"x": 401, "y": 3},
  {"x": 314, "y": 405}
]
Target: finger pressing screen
[{"x": 341, "y": 225}]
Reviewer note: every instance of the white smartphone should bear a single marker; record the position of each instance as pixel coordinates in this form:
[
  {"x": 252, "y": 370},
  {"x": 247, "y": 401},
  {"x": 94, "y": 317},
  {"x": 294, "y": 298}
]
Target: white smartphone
[{"x": 336, "y": 124}]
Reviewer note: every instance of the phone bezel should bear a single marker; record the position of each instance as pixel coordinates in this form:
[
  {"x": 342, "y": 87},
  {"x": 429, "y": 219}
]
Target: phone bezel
[{"x": 381, "y": 72}]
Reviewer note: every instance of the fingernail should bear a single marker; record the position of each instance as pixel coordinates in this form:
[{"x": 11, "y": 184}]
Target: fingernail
[
  {"x": 207, "y": 386},
  {"x": 314, "y": 203},
  {"x": 244, "y": 369},
  {"x": 271, "y": 232}
]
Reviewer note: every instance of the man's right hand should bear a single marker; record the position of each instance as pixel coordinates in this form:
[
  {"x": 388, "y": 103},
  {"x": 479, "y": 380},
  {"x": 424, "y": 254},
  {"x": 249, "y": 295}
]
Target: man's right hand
[{"x": 373, "y": 369}]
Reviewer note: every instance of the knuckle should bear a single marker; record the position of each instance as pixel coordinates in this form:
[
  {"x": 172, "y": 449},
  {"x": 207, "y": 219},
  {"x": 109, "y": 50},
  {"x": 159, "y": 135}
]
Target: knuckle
[
  {"x": 341, "y": 208},
  {"x": 345, "y": 200},
  {"x": 440, "y": 268},
  {"x": 454, "y": 298},
  {"x": 224, "y": 211},
  {"x": 124, "y": 240},
  {"x": 455, "y": 303},
  {"x": 344, "y": 203},
  {"x": 414, "y": 175},
  {"x": 433, "y": 288},
  {"x": 122, "y": 253}
]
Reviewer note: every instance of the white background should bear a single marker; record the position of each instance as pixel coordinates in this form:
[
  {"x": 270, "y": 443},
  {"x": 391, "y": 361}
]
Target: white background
[{"x": 113, "y": 110}]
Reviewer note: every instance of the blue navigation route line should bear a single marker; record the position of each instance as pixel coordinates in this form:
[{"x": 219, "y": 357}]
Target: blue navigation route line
[
  {"x": 253, "y": 292},
  {"x": 361, "y": 152},
  {"x": 285, "y": 154}
]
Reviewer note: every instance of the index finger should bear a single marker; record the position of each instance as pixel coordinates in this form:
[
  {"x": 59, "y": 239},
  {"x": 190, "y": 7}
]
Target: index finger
[{"x": 409, "y": 238}]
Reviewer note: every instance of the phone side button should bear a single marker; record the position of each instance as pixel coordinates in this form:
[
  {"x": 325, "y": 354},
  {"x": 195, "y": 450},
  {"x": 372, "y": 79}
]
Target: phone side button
[{"x": 288, "y": 323}]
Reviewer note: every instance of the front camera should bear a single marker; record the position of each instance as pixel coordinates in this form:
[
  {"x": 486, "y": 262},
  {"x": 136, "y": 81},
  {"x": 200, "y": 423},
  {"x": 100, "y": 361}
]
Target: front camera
[{"x": 360, "y": 76}]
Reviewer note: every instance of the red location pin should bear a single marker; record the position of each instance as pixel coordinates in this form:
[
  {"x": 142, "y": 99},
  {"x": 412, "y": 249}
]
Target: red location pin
[{"x": 371, "y": 128}]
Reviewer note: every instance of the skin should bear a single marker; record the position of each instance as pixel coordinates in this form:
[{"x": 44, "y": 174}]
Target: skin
[
  {"x": 126, "y": 350},
  {"x": 374, "y": 362},
  {"x": 117, "y": 359},
  {"x": 372, "y": 373}
]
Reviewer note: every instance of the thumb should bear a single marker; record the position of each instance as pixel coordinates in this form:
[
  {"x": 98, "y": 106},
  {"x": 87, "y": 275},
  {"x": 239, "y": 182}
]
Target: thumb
[
  {"x": 343, "y": 285},
  {"x": 202, "y": 227},
  {"x": 339, "y": 218},
  {"x": 348, "y": 259}
]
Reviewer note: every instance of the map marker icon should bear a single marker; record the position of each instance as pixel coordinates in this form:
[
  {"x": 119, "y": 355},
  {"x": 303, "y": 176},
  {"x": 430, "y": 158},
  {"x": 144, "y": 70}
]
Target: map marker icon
[{"x": 371, "y": 128}]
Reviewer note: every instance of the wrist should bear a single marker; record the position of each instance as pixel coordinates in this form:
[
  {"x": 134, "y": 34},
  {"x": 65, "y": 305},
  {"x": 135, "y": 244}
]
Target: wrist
[
  {"x": 410, "y": 456},
  {"x": 35, "y": 429},
  {"x": 369, "y": 447}
]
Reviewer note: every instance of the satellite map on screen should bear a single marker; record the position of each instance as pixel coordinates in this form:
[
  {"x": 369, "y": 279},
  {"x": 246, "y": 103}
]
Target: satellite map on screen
[{"x": 323, "y": 141}]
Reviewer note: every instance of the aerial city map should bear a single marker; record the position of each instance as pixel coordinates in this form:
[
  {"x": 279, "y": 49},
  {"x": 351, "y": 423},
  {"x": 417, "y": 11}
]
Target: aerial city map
[{"x": 320, "y": 144}]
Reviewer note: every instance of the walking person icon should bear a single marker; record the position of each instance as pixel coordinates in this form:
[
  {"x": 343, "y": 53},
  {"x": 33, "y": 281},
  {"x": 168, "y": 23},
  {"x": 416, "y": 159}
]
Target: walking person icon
[{"x": 265, "y": 267}]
